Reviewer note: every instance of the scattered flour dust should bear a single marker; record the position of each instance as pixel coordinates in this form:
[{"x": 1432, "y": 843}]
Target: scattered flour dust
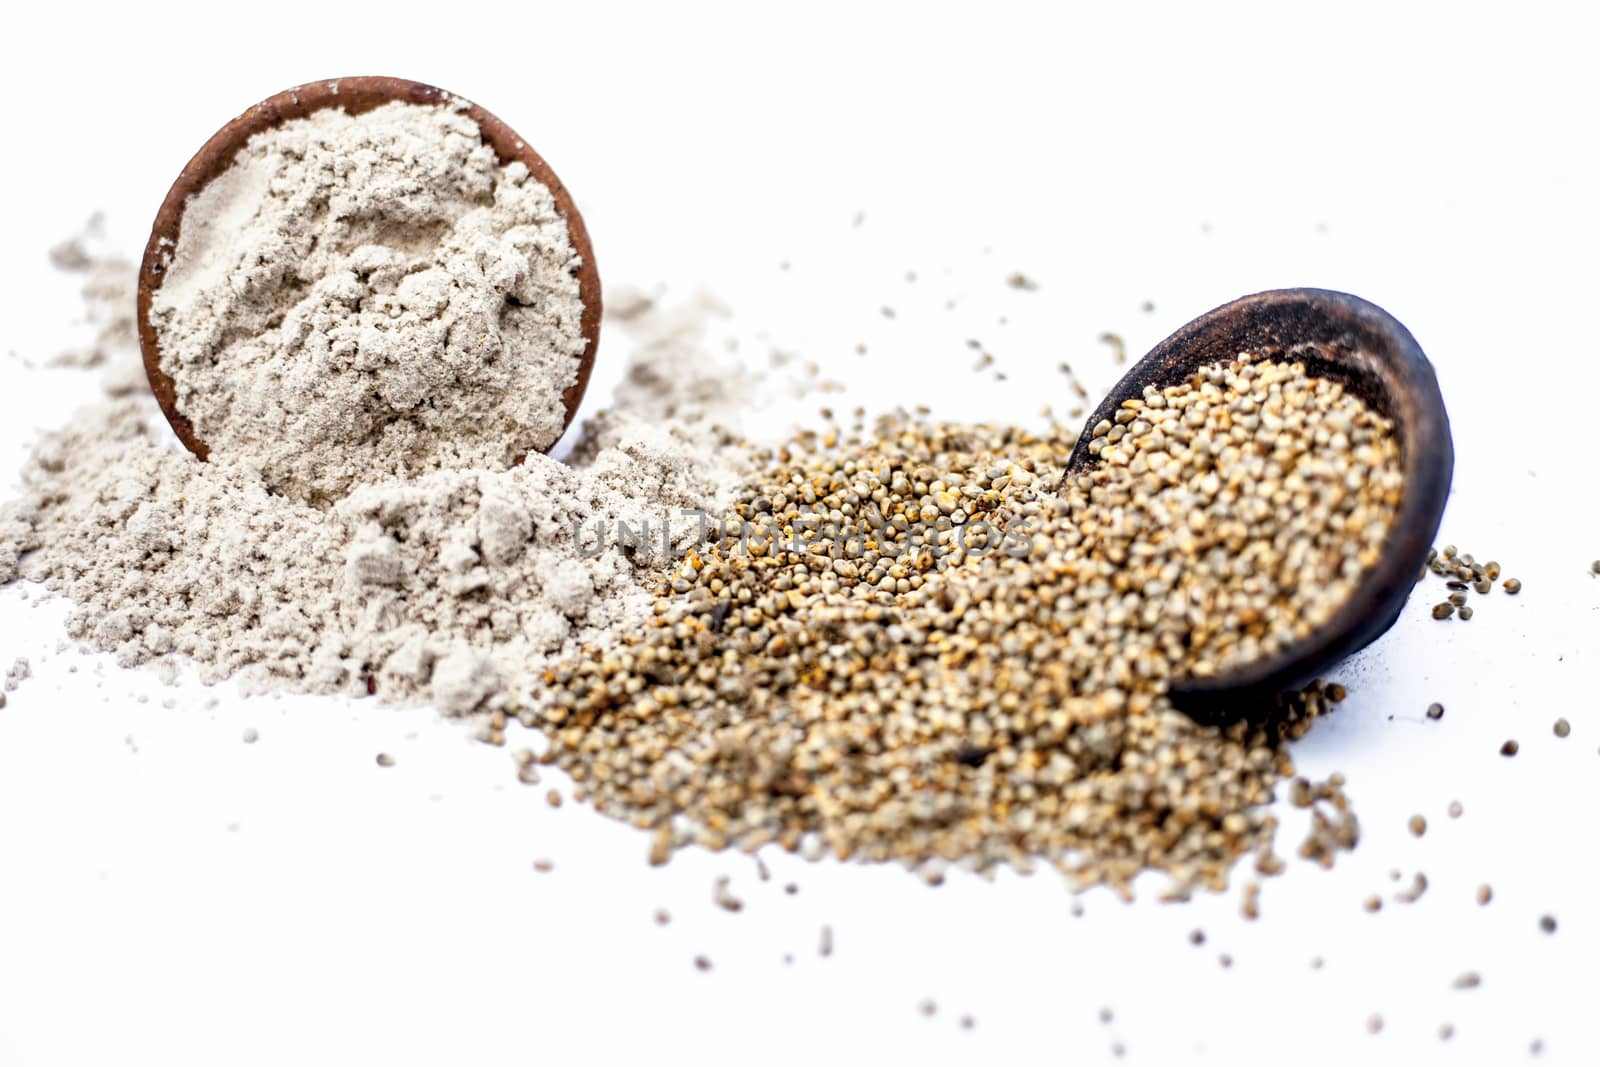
[
  {"x": 371, "y": 296},
  {"x": 454, "y": 587}
]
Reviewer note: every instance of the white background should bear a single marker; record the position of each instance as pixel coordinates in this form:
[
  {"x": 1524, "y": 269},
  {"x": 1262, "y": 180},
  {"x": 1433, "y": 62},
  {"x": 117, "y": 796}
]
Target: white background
[{"x": 170, "y": 895}]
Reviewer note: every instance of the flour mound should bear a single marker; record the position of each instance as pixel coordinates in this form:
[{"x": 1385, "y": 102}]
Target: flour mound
[{"x": 456, "y": 587}]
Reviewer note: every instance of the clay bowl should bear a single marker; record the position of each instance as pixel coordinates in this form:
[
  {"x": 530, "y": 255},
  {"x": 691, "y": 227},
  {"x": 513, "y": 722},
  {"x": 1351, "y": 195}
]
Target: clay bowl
[
  {"x": 355, "y": 95},
  {"x": 1342, "y": 337}
]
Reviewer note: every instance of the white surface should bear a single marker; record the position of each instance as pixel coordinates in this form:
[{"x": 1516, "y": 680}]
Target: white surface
[{"x": 170, "y": 895}]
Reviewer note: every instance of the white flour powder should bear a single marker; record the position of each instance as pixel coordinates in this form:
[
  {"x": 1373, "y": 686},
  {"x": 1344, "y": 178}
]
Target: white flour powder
[
  {"x": 367, "y": 297},
  {"x": 455, "y": 586}
]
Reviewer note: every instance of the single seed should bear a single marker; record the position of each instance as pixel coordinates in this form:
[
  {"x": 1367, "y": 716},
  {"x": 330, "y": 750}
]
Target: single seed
[
  {"x": 1563, "y": 728},
  {"x": 1316, "y": 963},
  {"x": 1510, "y": 748},
  {"x": 1197, "y": 937},
  {"x": 544, "y": 866},
  {"x": 1512, "y": 586},
  {"x": 1547, "y": 923},
  {"x": 1485, "y": 894},
  {"x": 1446, "y": 1032},
  {"x": 1455, "y": 809},
  {"x": 1435, "y": 711},
  {"x": 1373, "y": 903},
  {"x": 1374, "y": 1024},
  {"x": 1443, "y": 611},
  {"x": 663, "y": 917},
  {"x": 701, "y": 963},
  {"x": 661, "y": 846},
  {"x": 825, "y": 942},
  {"x": 1419, "y": 826},
  {"x": 1337, "y": 693},
  {"x": 250, "y": 735},
  {"x": 1594, "y": 568},
  {"x": 1106, "y": 1016},
  {"x": 968, "y": 1022},
  {"x": 928, "y": 1008},
  {"x": 553, "y": 798},
  {"x": 1226, "y": 960},
  {"x": 1464, "y": 612},
  {"x": 385, "y": 760},
  {"x": 723, "y": 898},
  {"x": 1469, "y": 980}
]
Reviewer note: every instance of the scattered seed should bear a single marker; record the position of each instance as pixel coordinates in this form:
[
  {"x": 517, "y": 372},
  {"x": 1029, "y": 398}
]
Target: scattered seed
[
  {"x": 1413, "y": 893},
  {"x": 791, "y": 888},
  {"x": 1436, "y": 711},
  {"x": 1119, "y": 348},
  {"x": 1455, "y": 809},
  {"x": 1563, "y": 728},
  {"x": 825, "y": 942},
  {"x": 663, "y": 917},
  {"x": 1485, "y": 894},
  {"x": 1510, "y": 748},
  {"x": 1446, "y": 1032},
  {"x": 723, "y": 898},
  {"x": 1226, "y": 960},
  {"x": 1512, "y": 586},
  {"x": 553, "y": 798},
  {"x": 1468, "y": 980},
  {"x": 1547, "y": 923},
  {"x": 1418, "y": 825},
  {"x": 661, "y": 845},
  {"x": 1373, "y": 903},
  {"x": 968, "y": 1022},
  {"x": 928, "y": 1008},
  {"x": 527, "y": 767},
  {"x": 1337, "y": 693},
  {"x": 250, "y": 735},
  {"x": 1316, "y": 963},
  {"x": 385, "y": 760},
  {"x": 1374, "y": 1024},
  {"x": 544, "y": 866},
  {"x": 1594, "y": 568},
  {"x": 1444, "y": 610},
  {"x": 702, "y": 963},
  {"x": 1464, "y": 612}
]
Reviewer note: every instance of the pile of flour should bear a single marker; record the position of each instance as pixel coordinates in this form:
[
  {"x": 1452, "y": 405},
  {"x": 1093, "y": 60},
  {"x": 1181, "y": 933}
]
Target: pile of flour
[
  {"x": 371, "y": 296},
  {"x": 455, "y": 587}
]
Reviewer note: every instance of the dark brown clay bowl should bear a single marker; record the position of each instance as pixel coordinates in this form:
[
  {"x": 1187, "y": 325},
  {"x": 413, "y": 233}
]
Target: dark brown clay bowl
[
  {"x": 1342, "y": 337},
  {"x": 355, "y": 95}
]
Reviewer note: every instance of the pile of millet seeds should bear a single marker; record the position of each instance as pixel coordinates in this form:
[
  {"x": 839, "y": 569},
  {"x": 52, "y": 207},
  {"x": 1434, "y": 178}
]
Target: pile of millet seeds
[{"x": 922, "y": 644}]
